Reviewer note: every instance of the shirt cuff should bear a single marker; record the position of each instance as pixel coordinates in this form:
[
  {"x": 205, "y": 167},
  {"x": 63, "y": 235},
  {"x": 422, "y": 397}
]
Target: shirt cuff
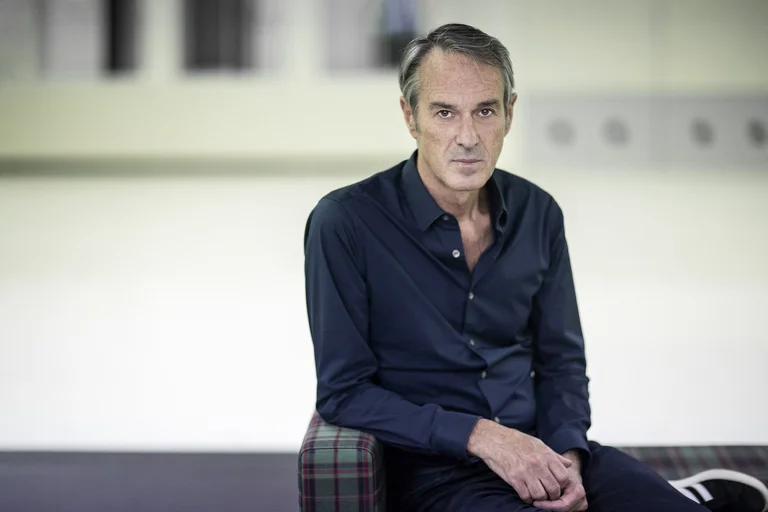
[
  {"x": 565, "y": 440},
  {"x": 451, "y": 433}
]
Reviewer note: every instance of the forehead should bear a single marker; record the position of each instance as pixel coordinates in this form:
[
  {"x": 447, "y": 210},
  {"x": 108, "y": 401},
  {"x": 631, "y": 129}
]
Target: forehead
[{"x": 453, "y": 76}]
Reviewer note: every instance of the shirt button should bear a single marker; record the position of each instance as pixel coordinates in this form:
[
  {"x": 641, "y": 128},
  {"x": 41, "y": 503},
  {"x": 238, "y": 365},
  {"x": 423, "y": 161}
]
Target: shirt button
[
  {"x": 496, "y": 419},
  {"x": 471, "y": 295},
  {"x": 445, "y": 217},
  {"x": 456, "y": 253},
  {"x": 483, "y": 375},
  {"x": 472, "y": 342}
]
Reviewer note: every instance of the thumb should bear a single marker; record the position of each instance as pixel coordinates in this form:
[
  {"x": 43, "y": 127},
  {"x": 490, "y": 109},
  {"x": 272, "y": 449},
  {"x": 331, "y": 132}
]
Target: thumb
[{"x": 565, "y": 460}]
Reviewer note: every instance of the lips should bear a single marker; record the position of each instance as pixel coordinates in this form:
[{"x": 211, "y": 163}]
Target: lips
[{"x": 467, "y": 161}]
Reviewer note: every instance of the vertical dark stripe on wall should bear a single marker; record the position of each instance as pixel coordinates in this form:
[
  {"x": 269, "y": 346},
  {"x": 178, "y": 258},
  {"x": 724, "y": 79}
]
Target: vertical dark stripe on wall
[
  {"x": 218, "y": 34},
  {"x": 120, "y": 33}
]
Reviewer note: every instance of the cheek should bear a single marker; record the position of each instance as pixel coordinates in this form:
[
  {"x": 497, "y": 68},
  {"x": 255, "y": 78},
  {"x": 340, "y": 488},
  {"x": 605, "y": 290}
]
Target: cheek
[
  {"x": 493, "y": 135},
  {"x": 437, "y": 136}
]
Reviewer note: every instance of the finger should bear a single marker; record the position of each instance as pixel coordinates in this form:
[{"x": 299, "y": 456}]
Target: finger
[
  {"x": 581, "y": 506},
  {"x": 522, "y": 490},
  {"x": 565, "y": 460},
  {"x": 571, "y": 496},
  {"x": 579, "y": 500},
  {"x": 552, "y": 506},
  {"x": 537, "y": 490},
  {"x": 560, "y": 474},
  {"x": 551, "y": 487}
]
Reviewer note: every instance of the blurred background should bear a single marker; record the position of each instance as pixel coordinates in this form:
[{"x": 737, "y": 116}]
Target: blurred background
[{"x": 158, "y": 160}]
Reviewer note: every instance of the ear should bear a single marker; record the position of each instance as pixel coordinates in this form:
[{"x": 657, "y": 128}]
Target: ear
[
  {"x": 510, "y": 108},
  {"x": 408, "y": 115}
]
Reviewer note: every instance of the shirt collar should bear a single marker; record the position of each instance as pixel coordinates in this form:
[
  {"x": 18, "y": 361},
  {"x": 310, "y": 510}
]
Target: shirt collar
[{"x": 425, "y": 209}]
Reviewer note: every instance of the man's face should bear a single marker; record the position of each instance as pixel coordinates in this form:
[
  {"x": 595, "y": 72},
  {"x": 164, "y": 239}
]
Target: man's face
[{"x": 461, "y": 122}]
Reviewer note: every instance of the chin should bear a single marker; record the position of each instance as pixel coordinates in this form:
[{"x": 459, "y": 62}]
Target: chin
[
  {"x": 467, "y": 183},
  {"x": 466, "y": 180}
]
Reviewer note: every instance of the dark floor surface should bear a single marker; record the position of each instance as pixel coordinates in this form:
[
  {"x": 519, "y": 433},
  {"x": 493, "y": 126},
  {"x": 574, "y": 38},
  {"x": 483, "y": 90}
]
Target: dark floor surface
[
  {"x": 255, "y": 482},
  {"x": 122, "y": 482}
]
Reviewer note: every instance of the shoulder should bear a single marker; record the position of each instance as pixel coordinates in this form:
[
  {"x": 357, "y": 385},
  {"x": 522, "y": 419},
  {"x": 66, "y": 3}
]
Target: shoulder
[
  {"x": 523, "y": 194},
  {"x": 338, "y": 210}
]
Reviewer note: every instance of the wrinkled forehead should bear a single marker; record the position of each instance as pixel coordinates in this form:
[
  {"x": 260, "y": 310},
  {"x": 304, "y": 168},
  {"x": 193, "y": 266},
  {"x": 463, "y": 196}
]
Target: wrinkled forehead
[{"x": 458, "y": 79}]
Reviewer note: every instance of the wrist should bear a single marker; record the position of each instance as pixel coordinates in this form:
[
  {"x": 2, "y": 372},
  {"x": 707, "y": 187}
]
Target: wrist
[{"x": 480, "y": 438}]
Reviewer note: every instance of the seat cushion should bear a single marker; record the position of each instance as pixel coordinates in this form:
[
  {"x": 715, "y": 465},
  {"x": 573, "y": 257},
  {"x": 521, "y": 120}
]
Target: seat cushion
[{"x": 340, "y": 469}]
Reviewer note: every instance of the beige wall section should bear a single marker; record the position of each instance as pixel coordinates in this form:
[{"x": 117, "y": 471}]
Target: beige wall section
[
  {"x": 600, "y": 45},
  {"x": 209, "y": 118},
  {"x": 713, "y": 45}
]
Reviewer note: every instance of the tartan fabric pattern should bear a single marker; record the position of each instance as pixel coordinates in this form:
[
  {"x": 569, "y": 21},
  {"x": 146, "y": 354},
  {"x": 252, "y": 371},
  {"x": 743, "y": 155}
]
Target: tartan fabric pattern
[
  {"x": 340, "y": 470},
  {"x": 675, "y": 462}
]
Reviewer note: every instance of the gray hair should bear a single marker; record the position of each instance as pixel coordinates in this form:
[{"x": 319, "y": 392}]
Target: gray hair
[{"x": 456, "y": 38}]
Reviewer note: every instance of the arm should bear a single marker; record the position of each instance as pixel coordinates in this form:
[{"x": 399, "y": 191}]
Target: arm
[
  {"x": 337, "y": 306},
  {"x": 562, "y": 396}
]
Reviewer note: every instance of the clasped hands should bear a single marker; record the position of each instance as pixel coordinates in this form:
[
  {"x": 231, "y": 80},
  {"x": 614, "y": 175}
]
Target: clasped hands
[{"x": 539, "y": 475}]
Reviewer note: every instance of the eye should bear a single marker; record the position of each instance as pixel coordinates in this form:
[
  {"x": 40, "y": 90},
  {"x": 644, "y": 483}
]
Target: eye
[
  {"x": 445, "y": 114},
  {"x": 486, "y": 112}
]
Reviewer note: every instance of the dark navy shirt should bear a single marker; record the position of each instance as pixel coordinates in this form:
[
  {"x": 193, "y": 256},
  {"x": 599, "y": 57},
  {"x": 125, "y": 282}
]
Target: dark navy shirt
[{"x": 414, "y": 348}]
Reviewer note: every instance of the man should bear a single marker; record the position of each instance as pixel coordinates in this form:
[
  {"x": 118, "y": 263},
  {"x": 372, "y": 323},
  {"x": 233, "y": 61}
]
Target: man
[{"x": 443, "y": 314}]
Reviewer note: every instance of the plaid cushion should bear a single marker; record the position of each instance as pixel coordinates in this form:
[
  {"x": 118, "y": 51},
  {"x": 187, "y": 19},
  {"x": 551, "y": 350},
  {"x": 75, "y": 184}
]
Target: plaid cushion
[
  {"x": 340, "y": 470},
  {"x": 675, "y": 462}
]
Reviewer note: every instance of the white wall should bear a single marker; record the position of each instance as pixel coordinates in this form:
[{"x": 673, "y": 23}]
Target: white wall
[
  {"x": 154, "y": 313},
  {"x": 167, "y": 312}
]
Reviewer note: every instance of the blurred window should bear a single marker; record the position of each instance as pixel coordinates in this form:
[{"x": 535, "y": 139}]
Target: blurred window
[
  {"x": 369, "y": 34},
  {"x": 71, "y": 39},
  {"x": 218, "y": 34},
  {"x": 121, "y": 37}
]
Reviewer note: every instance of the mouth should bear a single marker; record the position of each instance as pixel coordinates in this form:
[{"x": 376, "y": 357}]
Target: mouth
[{"x": 467, "y": 161}]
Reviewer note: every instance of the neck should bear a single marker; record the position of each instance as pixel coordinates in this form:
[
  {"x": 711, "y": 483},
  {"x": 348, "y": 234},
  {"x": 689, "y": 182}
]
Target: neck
[{"x": 464, "y": 205}]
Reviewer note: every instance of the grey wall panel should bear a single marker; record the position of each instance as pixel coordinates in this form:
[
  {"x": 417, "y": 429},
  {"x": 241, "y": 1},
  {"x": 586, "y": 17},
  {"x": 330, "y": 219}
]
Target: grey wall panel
[
  {"x": 711, "y": 131},
  {"x": 651, "y": 130},
  {"x": 73, "y": 42},
  {"x": 585, "y": 131},
  {"x": 19, "y": 41}
]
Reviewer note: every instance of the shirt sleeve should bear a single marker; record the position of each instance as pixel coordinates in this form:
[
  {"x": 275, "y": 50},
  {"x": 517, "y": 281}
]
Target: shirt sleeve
[
  {"x": 562, "y": 397},
  {"x": 337, "y": 307}
]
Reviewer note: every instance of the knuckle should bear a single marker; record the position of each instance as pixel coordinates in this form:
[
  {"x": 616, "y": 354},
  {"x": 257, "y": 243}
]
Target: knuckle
[{"x": 519, "y": 486}]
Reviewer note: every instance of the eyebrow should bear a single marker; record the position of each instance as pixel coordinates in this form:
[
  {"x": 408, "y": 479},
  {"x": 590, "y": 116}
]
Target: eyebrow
[{"x": 483, "y": 104}]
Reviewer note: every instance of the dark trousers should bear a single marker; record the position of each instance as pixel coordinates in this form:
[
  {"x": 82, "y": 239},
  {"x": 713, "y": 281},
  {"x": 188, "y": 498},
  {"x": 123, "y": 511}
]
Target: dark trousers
[{"x": 614, "y": 482}]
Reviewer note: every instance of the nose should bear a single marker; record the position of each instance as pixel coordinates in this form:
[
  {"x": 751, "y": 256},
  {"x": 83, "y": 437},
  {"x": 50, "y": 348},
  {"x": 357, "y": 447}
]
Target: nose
[{"x": 467, "y": 136}]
